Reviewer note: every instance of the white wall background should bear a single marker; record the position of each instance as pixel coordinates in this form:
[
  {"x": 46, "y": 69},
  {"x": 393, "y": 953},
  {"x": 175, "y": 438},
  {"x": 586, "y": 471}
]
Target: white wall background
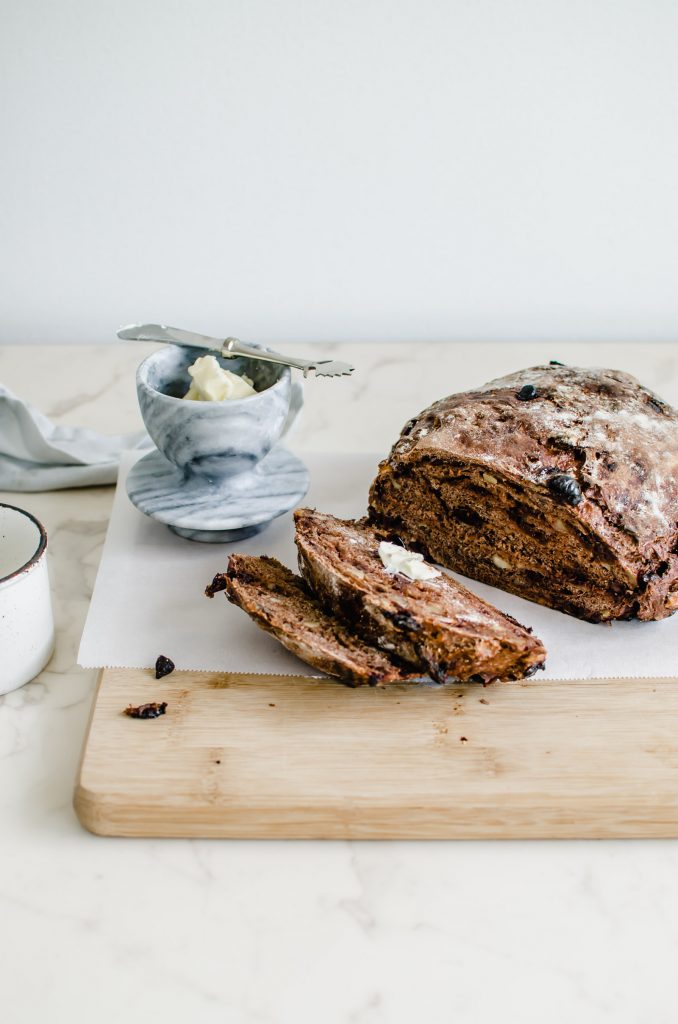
[{"x": 339, "y": 169}]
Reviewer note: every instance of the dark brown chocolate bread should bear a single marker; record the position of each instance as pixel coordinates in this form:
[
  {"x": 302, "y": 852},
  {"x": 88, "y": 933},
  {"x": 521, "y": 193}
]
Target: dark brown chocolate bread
[
  {"x": 280, "y": 603},
  {"x": 556, "y": 483},
  {"x": 436, "y": 623}
]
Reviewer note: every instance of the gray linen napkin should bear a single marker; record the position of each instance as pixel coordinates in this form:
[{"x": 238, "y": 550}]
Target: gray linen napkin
[{"x": 37, "y": 455}]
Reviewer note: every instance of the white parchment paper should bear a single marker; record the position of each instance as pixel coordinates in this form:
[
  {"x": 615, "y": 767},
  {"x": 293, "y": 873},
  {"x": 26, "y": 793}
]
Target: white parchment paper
[{"x": 149, "y": 598}]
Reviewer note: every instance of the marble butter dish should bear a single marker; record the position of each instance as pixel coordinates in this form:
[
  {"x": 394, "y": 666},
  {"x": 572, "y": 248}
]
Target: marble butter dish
[{"x": 219, "y": 473}]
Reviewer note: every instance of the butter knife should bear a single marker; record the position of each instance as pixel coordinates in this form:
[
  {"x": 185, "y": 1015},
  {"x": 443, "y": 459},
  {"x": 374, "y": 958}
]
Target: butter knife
[{"x": 230, "y": 348}]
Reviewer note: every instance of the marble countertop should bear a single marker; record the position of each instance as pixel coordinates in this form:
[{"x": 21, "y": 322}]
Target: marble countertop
[{"x": 338, "y": 932}]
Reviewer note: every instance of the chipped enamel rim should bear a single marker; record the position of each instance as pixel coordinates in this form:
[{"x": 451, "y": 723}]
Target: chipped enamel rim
[{"x": 39, "y": 551}]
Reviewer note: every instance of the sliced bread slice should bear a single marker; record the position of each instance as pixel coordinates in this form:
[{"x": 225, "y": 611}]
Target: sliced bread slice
[
  {"x": 432, "y": 623},
  {"x": 279, "y": 601}
]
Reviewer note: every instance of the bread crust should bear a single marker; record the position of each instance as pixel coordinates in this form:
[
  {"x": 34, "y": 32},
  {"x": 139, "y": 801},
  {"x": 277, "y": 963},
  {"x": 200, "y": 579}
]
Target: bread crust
[{"x": 556, "y": 483}]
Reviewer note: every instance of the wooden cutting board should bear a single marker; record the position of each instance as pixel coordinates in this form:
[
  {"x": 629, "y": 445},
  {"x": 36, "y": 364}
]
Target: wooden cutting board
[{"x": 294, "y": 757}]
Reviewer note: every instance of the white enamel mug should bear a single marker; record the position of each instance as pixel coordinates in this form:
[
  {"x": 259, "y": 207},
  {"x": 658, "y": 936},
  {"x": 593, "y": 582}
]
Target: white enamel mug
[{"x": 26, "y": 620}]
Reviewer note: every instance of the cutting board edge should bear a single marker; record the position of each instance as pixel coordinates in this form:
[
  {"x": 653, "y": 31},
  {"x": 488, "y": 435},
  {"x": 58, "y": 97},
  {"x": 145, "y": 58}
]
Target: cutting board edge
[{"x": 102, "y": 816}]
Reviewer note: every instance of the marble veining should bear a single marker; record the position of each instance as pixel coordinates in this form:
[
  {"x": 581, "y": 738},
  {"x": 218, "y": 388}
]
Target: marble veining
[
  {"x": 293, "y": 932},
  {"x": 216, "y": 475},
  {"x": 213, "y": 439},
  {"x": 221, "y": 509}
]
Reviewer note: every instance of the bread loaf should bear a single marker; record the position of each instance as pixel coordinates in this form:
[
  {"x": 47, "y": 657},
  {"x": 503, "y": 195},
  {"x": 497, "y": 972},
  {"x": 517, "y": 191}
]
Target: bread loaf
[{"x": 556, "y": 483}]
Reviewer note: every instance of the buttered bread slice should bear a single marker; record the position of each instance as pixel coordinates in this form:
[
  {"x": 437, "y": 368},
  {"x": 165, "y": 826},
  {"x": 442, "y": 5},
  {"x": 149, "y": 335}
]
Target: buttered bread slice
[{"x": 429, "y": 622}]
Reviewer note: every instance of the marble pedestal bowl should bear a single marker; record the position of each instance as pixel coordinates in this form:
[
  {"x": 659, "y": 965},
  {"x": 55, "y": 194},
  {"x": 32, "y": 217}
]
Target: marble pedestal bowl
[{"x": 218, "y": 473}]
